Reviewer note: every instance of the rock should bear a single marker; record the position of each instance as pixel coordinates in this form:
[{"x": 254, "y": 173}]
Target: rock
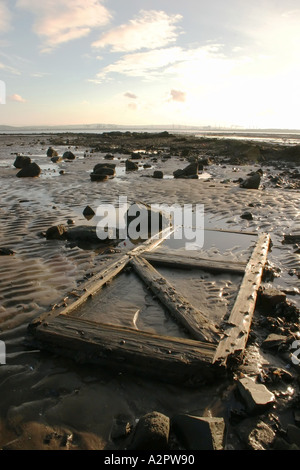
[
  {"x": 6, "y": 251},
  {"x": 190, "y": 171},
  {"x": 256, "y": 396},
  {"x": 291, "y": 238},
  {"x": 88, "y": 234},
  {"x": 269, "y": 298},
  {"x": 151, "y": 432},
  {"x": 51, "y": 152},
  {"x": 158, "y": 174},
  {"x": 68, "y": 155},
  {"x": 131, "y": 166},
  {"x": 247, "y": 216},
  {"x": 98, "y": 177},
  {"x": 252, "y": 182},
  {"x": 256, "y": 434},
  {"x": 56, "y": 159},
  {"x": 57, "y": 232},
  {"x": 105, "y": 171},
  {"x": 274, "y": 341},
  {"x": 143, "y": 221},
  {"x": 31, "y": 170},
  {"x": 199, "y": 433},
  {"x": 103, "y": 165},
  {"x": 21, "y": 161},
  {"x": 109, "y": 156},
  {"x": 88, "y": 212}
]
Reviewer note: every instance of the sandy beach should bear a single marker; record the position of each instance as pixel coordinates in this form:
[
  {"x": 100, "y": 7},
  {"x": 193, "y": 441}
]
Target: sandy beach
[{"x": 50, "y": 402}]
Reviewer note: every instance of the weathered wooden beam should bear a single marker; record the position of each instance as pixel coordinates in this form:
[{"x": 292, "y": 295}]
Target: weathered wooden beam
[
  {"x": 173, "y": 260},
  {"x": 188, "y": 316},
  {"x": 239, "y": 322},
  {"x": 139, "y": 352}
]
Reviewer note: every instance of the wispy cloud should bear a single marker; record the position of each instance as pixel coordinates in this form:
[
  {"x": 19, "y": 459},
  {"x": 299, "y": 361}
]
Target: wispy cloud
[
  {"x": 142, "y": 64},
  {"x": 130, "y": 95},
  {"x": 5, "y": 17},
  {"x": 17, "y": 98},
  {"x": 60, "y": 21},
  {"x": 149, "y": 30}
]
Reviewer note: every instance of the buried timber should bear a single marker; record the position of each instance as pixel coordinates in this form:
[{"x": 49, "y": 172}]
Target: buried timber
[{"x": 149, "y": 310}]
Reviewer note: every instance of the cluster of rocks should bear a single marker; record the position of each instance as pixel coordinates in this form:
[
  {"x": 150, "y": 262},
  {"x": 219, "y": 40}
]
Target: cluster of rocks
[{"x": 27, "y": 167}]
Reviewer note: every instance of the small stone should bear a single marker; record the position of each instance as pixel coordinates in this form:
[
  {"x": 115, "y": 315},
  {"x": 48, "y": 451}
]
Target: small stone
[
  {"x": 88, "y": 212},
  {"x": 256, "y": 396},
  {"x": 6, "y": 252},
  {"x": 247, "y": 216}
]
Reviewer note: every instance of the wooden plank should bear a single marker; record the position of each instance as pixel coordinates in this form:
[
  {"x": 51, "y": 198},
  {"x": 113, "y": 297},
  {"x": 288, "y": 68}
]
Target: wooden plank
[
  {"x": 188, "y": 316},
  {"x": 124, "y": 348},
  {"x": 239, "y": 322},
  {"x": 173, "y": 260}
]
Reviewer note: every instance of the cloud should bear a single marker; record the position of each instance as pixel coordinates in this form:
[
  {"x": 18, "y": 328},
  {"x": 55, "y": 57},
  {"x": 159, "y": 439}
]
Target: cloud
[
  {"x": 5, "y": 17},
  {"x": 193, "y": 65},
  {"x": 142, "y": 64},
  {"x": 130, "y": 95},
  {"x": 150, "y": 30},
  {"x": 17, "y": 98},
  {"x": 60, "y": 21},
  {"x": 177, "y": 95}
]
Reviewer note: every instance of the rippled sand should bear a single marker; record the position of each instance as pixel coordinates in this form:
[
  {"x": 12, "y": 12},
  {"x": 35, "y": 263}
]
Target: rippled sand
[{"x": 44, "y": 395}]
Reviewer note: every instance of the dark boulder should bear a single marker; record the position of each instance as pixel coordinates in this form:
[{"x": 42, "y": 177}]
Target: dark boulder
[
  {"x": 68, "y": 155},
  {"x": 51, "y": 152},
  {"x": 31, "y": 170},
  {"x": 103, "y": 165},
  {"x": 158, "y": 174},
  {"x": 131, "y": 166},
  {"x": 21, "y": 161},
  {"x": 190, "y": 171},
  {"x": 98, "y": 177},
  {"x": 252, "y": 182},
  {"x": 56, "y": 159}
]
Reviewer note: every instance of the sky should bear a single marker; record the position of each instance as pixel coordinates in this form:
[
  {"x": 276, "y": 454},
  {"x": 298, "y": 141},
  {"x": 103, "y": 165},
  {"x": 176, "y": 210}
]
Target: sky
[{"x": 149, "y": 62}]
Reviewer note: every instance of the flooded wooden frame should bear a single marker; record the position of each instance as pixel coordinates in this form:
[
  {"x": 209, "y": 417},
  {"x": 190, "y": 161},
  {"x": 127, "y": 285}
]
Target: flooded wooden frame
[{"x": 167, "y": 357}]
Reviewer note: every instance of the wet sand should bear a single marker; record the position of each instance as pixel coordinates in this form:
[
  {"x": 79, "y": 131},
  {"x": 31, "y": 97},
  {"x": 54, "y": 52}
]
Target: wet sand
[{"x": 49, "y": 402}]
